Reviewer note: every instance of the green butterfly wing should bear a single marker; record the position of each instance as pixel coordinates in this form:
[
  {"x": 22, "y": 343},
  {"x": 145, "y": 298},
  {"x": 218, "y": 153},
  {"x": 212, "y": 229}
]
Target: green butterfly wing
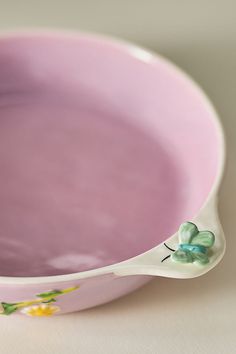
[
  {"x": 187, "y": 232},
  {"x": 201, "y": 258},
  {"x": 203, "y": 238},
  {"x": 182, "y": 256}
]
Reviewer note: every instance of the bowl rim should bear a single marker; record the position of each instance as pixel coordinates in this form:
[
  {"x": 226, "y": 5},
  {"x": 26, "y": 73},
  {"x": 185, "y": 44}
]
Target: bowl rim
[{"x": 143, "y": 54}]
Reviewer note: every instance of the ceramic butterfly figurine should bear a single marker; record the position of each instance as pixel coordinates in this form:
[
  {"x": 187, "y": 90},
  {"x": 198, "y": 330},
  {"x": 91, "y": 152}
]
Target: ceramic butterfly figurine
[{"x": 193, "y": 244}]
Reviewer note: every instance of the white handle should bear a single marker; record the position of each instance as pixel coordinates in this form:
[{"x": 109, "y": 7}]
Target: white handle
[{"x": 156, "y": 262}]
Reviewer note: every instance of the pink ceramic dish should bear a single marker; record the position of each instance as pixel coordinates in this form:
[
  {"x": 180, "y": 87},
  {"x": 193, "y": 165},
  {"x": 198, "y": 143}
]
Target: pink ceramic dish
[{"x": 105, "y": 150}]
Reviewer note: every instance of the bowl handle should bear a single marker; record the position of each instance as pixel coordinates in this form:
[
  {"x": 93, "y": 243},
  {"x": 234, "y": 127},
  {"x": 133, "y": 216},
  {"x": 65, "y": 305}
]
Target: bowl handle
[{"x": 195, "y": 249}]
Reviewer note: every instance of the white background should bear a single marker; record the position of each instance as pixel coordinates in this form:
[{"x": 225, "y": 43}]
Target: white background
[{"x": 166, "y": 316}]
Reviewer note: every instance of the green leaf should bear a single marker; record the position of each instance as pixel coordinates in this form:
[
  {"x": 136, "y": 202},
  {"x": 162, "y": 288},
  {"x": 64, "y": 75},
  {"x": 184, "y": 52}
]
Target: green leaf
[
  {"x": 204, "y": 238},
  {"x": 187, "y": 232},
  {"x": 50, "y": 294},
  {"x": 48, "y": 301},
  {"x": 182, "y": 256},
  {"x": 9, "y": 308}
]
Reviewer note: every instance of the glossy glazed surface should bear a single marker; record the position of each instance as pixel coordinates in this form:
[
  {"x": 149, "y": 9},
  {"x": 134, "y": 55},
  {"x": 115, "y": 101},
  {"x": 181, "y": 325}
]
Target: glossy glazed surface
[
  {"x": 90, "y": 292},
  {"x": 103, "y": 153}
]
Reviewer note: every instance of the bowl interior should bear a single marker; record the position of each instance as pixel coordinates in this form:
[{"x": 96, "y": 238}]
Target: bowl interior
[{"x": 104, "y": 151}]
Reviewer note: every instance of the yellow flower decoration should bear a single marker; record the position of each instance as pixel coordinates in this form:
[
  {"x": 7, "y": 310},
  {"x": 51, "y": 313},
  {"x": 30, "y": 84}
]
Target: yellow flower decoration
[
  {"x": 41, "y": 310},
  {"x": 41, "y": 306}
]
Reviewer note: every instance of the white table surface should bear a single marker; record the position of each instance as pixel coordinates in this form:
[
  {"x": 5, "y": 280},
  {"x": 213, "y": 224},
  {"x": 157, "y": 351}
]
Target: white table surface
[{"x": 166, "y": 316}]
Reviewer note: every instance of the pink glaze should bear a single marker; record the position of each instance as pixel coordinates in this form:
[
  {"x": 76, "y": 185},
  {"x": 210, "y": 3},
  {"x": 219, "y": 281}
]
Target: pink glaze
[
  {"x": 91, "y": 292},
  {"x": 102, "y": 154}
]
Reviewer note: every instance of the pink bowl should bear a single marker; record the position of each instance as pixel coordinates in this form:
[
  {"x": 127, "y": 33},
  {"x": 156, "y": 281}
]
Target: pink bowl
[{"x": 105, "y": 149}]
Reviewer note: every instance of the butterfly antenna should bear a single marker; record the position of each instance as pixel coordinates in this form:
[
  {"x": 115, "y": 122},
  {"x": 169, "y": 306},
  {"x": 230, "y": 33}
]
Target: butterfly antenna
[
  {"x": 171, "y": 249},
  {"x": 165, "y": 258}
]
